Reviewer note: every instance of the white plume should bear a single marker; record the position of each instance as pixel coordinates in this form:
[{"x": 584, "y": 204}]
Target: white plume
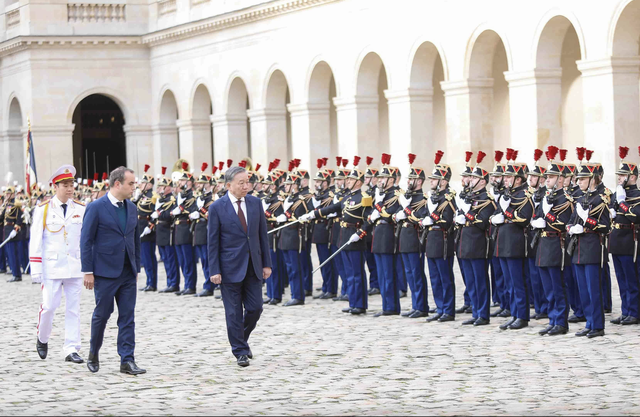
[{"x": 8, "y": 177}]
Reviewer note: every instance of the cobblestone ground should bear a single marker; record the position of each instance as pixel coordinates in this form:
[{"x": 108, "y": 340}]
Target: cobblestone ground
[{"x": 314, "y": 360}]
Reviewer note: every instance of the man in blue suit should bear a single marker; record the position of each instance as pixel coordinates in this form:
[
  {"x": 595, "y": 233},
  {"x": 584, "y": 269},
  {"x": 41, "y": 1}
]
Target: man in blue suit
[
  {"x": 110, "y": 243},
  {"x": 239, "y": 258}
]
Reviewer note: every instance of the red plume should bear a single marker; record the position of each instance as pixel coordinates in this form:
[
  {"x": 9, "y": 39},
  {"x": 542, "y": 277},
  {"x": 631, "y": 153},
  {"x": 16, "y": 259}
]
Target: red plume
[
  {"x": 514, "y": 155},
  {"x": 480, "y": 157},
  {"x": 580, "y": 152},
  {"x": 369, "y": 160},
  {"x": 220, "y": 166},
  {"x": 546, "y": 154},
  {"x": 229, "y": 162},
  {"x": 90, "y": 182},
  {"x": 385, "y": 159},
  {"x": 468, "y": 155},
  {"x": 95, "y": 176},
  {"x": 297, "y": 161},
  {"x": 356, "y": 160},
  {"x": 509, "y": 154},
  {"x": 638, "y": 150},
  {"x": 553, "y": 152},
  {"x": 257, "y": 167},
  {"x": 563, "y": 154},
  {"x": 439, "y": 155},
  {"x": 537, "y": 154},
  {"x": 412, "y": 157},
  {"x": 146, "y": 167},
  {"x": 623, "y": 151},
  {"x": 589, "y": 154},
  {"x": 345, "y": 162},
  {"x": 276, "y": 163},
  {"x": 498, "y": 156},
  {"x": 204, "y": 166},
  {"x": 164, "y": 170},
  {"x": 338, "y": 161},
  {"x": 319, "y": 163},
  {"x": 270, "y": 167},
  {"x": 104, "y": 176},
  {"x": 242, "y": 164},
  {"x": 324, "y": 161},
  {"x": 214, "y": 170},
  {"x": 185, "y": 166},
  {"x": 292, "y": 165}
]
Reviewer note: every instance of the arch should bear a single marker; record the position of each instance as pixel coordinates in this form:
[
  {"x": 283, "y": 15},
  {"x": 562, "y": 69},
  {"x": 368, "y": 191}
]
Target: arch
[
  {"x": 481, "y": 50},
  {"x": 549, "y": 38},
  {"x": 168, "y": 108},
  {"x": 237, "y": 97},
  {"x": 624, "y": 30},
  {"x": 318, "y": 82},
  {"x": 323, "y": 133},
  {"x": 275, "y": 95},
  {"x": 200, "y": 95},
  {"x": 14, "y": 117},
  {"x": 422, "y": 60},
  {"x": 368, "y": 74},
  {"x": 114, "y": 95}
]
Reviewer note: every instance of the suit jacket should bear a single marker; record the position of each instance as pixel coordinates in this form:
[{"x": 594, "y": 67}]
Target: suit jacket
[
  {"x": 104, "y": 244},
  {"x": 228, "y": 244}
]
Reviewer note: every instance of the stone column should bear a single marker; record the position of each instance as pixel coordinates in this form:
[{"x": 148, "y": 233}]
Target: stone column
[
  {"x": 140, "y": 149},
  {"x": 357, "y": 119},
  {"x": 311, "y": 133},
  {"x": 269, "y": 134},
  {"x": 165, "y": 146},
  {"x": 13, "y": 154},
  {"x": 231, "y": 133},
  {"x": 52, "y": 145},
  {"x": 611, "y": 109},
  {"x": 195, "y": 142}
]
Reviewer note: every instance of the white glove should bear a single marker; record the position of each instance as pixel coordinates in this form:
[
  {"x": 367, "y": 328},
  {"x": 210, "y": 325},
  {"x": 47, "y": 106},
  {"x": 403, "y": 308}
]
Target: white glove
[
  {"x": 460, "y": 219},
  {"x": 308, "y": 216},
  {"x": 612, "y": 213},
  {"x": 137, "y": 193},
  {"x": 200, "y": 203},
  {"x": 316, "y": 203},
  {"x": 158, "y": 204},
  {"x": 379, "y": 196},
  {"x": 13, "y": 234},
  {"x": 265, "y": 205},
  {"x": 154, "y": 215},
  {"x": 146, "y": 231},
  {"x": 87, "y": 200},
  {"x": 286, "y": 205},
  {"x": 428, "y": 221},
  {"x": 354, "y": 238},
  {"x": 401, "y": 215},
  {"x": 546, "y": 207},
  {"x": 180, "y": 199},
  {"x": 281, "y": 218},
  {"x": 375, "y": 215},
  {"x": 431, "y": 205},
  {"x": 496, "y": 197},
  {"x": 497, "y": 219},
  {"x": 576, "y": 229},
  {"x": 504, "y": 203},
  {"x": 36, "y": 278},
  {"x": 404, "y": 201},
  {"x": 621, "y": 194},
  {"x": 194, "y": 216},
  {"x": 176, "y": 211},
  {"x": 27, "y": 216},
  {"x": 465, "y": 206},
  {"x": 336, "y": 200},
  {"x": 584, "y": 214},
  {"x": 539, "y": 223},
  {"x": 332, "y": 215}
]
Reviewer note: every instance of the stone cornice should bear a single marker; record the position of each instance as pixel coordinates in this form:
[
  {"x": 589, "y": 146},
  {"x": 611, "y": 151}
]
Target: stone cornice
[
  {"x": 229, "y": 20},
  {"x": 21, "y": 43}
]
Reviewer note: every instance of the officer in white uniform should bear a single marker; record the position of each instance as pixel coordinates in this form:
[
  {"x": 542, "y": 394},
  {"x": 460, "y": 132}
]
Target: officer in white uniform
[{"x": 55, "y": 259}]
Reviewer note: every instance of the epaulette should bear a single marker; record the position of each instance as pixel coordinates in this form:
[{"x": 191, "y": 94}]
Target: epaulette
[
  {"x": 607, "y": 191},
  {"x": 399, "y": 192},
  {"x": 44, "y": 203},
  {"x": 366, "y": 200},
  {"x": 79, "y": 203},
  {"x": 569, "y": 197},
  {"x": 528, "y": 192},
  {"x": 450, "y": 195}
]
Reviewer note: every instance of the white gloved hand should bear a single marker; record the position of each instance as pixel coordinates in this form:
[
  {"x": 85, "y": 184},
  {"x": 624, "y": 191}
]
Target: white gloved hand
[
  {"x": 497, "y": 219},
  {"x": 539, "y": 223},
  {"x": 621, "y": 194},
  {"x": 180, "y": 199},
  {"x": 496, "y": 197},
  {"x": 158, "y": 204},
  {"x": 401, "y": 215},
  {"x": 379, "y": 196},
  {"x": 316, "y": 202},
  {"x": 176, "y": 211},
  {"x": 465, "y": 206},
  {"x": 404, "y": 201},
  {"x": 194, "y": 216},
  {"x": 576, "y": 229},
  {"x": 504, "y": 203},
  {"x": 286, "y": 205},
  {"x": 154, "y": 215},
  {"x": 146, "y": 231},
  {"x": 281, "y": 218},
  {"x": 265, "y": 205},
  {"x": 27, "y": 216},
  {"x": 332, "y": 215},
  {"x": 200, "y": 203},
  {"x": 612, "y": 213},
  {"x": 375, "y": 215},
  {"x": 428, "y": 221},
  {"x": 308, "y": 216},
  {"x": 546, "y": 206},
  {"x": 460, "y": 219},
  {"x": 354, "y": 238},
  {"x": 431, "y": 205},
  {"x": 136, "y": 194},
  {"x": 582, "y": 213},
  {"x": 13, "y": 234},
  {"x": 336, "y": 200}
]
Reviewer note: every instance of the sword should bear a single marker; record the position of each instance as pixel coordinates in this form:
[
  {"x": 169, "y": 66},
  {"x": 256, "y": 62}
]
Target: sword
[
  {"x": 282, "y": 227},
  {"x": 5, "y": 241},
  {"x": 331, "y": 257}
]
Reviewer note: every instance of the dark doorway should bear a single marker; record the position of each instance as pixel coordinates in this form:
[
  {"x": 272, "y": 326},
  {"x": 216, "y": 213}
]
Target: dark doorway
[{"x": 99, "y": 142}]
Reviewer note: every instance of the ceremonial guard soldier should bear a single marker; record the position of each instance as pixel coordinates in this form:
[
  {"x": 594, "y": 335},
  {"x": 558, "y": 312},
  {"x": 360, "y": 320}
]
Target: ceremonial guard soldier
[
  {"x": 55, "y": 260},
  {"x": 11, "y": 218},
  {"x": 352, "y": 207},
  {"x": 272, "y": 205},
  {"x": 339, "y": 193},
  {"x": 164, "y": 232},
  {"x": 549, "y": 222},
  {"x": 466, "y": 180},
  {"x": 499, "y": 290},
  {"x": 145, "y": 200},
  {"x": 371, "y": 181},
  {"x": 537, "y": 190},
  {"x": 400, "y": 271},
  {"x": 185, "y": 206},
  {"x": 306, "y": 231},
  {"x": 199, "y": 226},
  {"x": 438, "y": 224},
  {"x": 3, "y": 256},
  {"x": 588, "y": 227},
  {"x": 219, "y": 190},
  {"x": 623, "y": 240},
  {"x": 512, "y": 218}
]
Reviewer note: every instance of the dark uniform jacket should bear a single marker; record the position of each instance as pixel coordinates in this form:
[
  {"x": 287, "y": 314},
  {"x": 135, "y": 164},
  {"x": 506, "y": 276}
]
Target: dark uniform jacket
[
  {"x": 590, "y": 248},
  {"x": 473, "y": 240},
  {"x": 383, "y": 228},
  {"x": 624, "y": 233},
  {"x": 411, "y": 238},
  {"x": 292, "y": 237},
  {"x": 441, "y": 208},
  {"x": 182, "y": 222},
  {"x": 352, "y": 208},
  {"x": 322, "y": 227},
  {"x": 307, "y": 228},
  {"x": 334, "y": 222},
  {"x": 551, "y": 247},
  {"x": 273, "y": 208},
  {"x": 634, "y": 215},
  {"x": 536, "y": 197},
  {"x": 512, "y": 239},
  {"x": 146, "y": 205},
  {"x": 203, "y": 201},
  {"x": 164, "y": 227},
  {"x": 11, "y": 218}
]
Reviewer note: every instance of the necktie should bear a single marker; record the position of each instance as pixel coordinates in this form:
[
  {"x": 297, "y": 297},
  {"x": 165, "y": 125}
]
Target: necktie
[
  {"x": 64, "y": 209},
  {"x": 120, "y": 204},
  {"x": 243, "y": 221}
]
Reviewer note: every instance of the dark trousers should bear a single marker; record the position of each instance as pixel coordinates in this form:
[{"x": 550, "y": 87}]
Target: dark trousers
[
  {"x": 441, "y": 273},
  {"x": 202, "y": 253},
  {"x": 11, "y": 249},
  {"x": 477, "y": 276},
  {"x": 500, "y": 284},
  {"x": 589, "y": 279},
  {"x": 293, "y": 260},
  {"x": 168, "y": 255},
  {"x": 3, "y": 260},
  {"x": 357, "y": 280},
  {"x": 514, "y": 271},
  {"x": 556, "y": 295},
  {"x": 540, "y": 303},
  {"x": 306, "y": 266},
  {"x": 403, "y": 284},
  {"x": 417, "y": 280},
  {"x": 466, "y": 295},
  {"x": 187, "y": 262},
  {"x": 606, "y": 287},
  {"x": 373, "y": 269},
  {"x": 242, "y": 309},
  {"x": 275, "y": 283},
  {"x": 572, "y": 288},
  {"x": 149, "y": 262},
  {"x": 388, "y": 281},
  {"x": 339, "y": 265},
  {"x": 24, "y": 254},
  {"x": 627, "y": 275},
  {"x": 123, "y": 290},
  {"x": 328, "y": 272}
]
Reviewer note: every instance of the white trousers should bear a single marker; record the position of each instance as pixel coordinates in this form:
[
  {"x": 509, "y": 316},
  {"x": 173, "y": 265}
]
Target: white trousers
[{"x": 51, "y": 295}]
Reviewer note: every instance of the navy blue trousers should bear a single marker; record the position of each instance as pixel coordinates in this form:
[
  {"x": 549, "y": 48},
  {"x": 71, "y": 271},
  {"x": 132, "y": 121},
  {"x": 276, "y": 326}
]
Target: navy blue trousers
[
  {"x": 202, "y": 253},
  {"x": 388, "y": 281},
  {"x": 589, "y": 279},
  {"x": 23, "y": 252},
  {"x": 514, "y": 271},
  {"x": 329, "y": 272},
  {"x": 540, "y": 303},
  {"x": 242, "y": 309},
  {"x": 293, "y": 260},
  {"x": 353, "y": 261},
  {"x": 466, "y": 295},
  {"x": 606, "y": 287},
  {"x": 627, "y": 275},
  {"x": 3, "y": 260},
  {"x": 339, "y": 265},
  {"x": 556, "y": 294},
  {"x": 187, "y": 262},
  {"x": 477, "y": 276},
  {"x": 11, "y": 249},
  {"x": 417, "y": 280},
  {"x": 123, "y": 290},
  {"x": 500, "y": 284},
  {"x": 168, "y": 255},
  {"x": 441, "y": 273},
  {"x": 149, "y": 262},
  {"x": 402, "y": 276},
  {"x": 306, "y": 266},
  {"x": 373, "y": 269},
  {"x": 572, "y": 288},
  {"x": 275, "y": 287}
]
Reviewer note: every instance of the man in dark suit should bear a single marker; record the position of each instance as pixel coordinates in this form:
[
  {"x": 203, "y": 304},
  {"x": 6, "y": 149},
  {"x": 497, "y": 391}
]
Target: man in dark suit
[
  {"x": 239, "y": 258},
  {"x": 110, "y": 245}
]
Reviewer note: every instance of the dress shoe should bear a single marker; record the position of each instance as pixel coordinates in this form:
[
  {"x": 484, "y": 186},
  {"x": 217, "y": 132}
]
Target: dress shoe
[
  {"x": 541, "y": 316},
  {"x": 519, "y": 324},
  {"x": 218, "y": 297},
  {"x": 386, "y": 313},
  {"x": 558, "y": 330},
  {"x": 274, "y": 301},
  {"x": 468, "y": 310},
  {"x": 434, "y": 318},
  {"x": 481, "y": 322},
  {"x": 374, "y": 291},
  {"x": 308, "y": 293},
  {"x": 496, "y": 313},
  {"x": 343, "y": 297},
  {"x": 595, "y": 333},
  {"x": 346, "y": 310},
  {"x": 131, "y": 368},
  {"x": 583, "y": 332},
  {"x": 576, "y": 319},
  {"x": 469, "y": 322},
  {"x": 293, "y": 302},
  {"x": 318, "y": 296},
  {"x": 205, "y": 293},
  {"x": 407, "y": 313},
  {"x": 403, "y": 294},
  {"x": 93, "y": 363},
  {"x": 546, "y": 330},
  {"x": 42, "y": 348},
  {"x": 418, "y": 314},
  {"x": 358, "y": 311},
  {"x": 250, "y": 355},
  {"x": 317, "y": 289},
  {"x": 170, "y": 289},
  {"x": 630, "y": 320},
  {"x": 617, "y": 320},
  {"x": 74, "y": 357},
  {"x": 186, "y": 291},
  {"x": 506, "y": 324},
  {"x": 607, "y": 311},
  {"x": 15, "y": 279},
  {"x": 143, "y": 288},
  {"x": 433, "y": 310},
  {"x": 266, "y": 300},
  {"x": 327, "y": 296},
  {"x": 495, "y": 304},
  {"x": 505, "y": 313},
  {"x": 243, "y": 360},
  {"x": 446, "y": 317},
  {"x": 149, "y": 288},
  {"x": 462, "y": 309}
]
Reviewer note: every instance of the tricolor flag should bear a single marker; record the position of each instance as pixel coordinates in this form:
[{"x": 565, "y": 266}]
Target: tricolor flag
[{"x": 31, "y": 175}]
